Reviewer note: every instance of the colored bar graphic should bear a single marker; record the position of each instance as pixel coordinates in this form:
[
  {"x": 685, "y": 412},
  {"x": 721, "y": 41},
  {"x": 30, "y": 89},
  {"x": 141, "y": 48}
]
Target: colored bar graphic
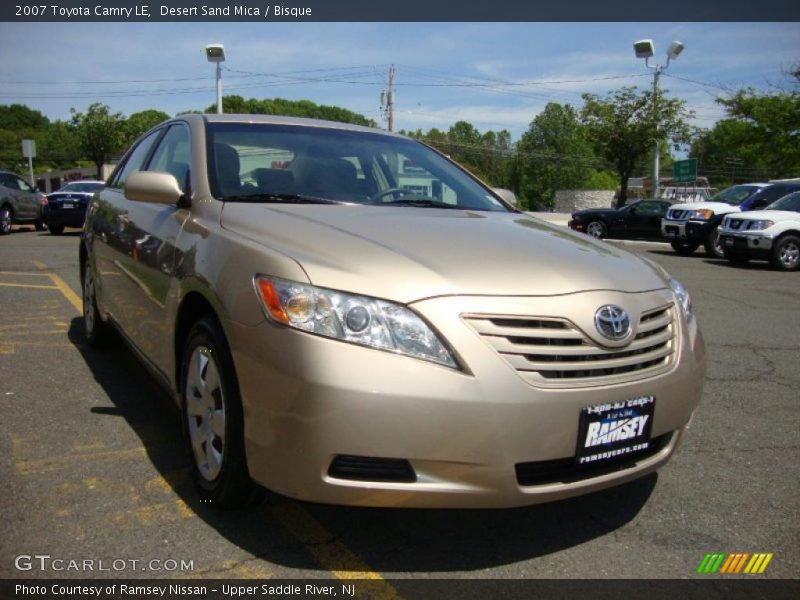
[{"x": 720, "y": 562}]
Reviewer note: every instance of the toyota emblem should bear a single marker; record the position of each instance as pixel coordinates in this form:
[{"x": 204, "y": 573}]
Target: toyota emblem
[{"x": 612, "y": 322}]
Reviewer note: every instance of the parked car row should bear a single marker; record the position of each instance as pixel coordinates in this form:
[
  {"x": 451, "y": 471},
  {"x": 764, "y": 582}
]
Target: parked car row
[
  {"x": 711, "y": 224},
  {"x": 22, "y": 204}
]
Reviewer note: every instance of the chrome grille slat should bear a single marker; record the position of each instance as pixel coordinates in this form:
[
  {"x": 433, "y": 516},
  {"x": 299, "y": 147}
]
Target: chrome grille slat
[
  {"x": 505, "y": 346},
  {"x": 523, "y": 363},
  {"x": 552, "y": 351}
]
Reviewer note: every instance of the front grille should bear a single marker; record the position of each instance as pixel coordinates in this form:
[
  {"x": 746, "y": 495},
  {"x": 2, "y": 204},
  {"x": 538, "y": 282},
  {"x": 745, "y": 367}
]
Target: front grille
[
  {"x": 555, "y": 352},
  {"x": 678, "y": 215},
  {"x": 567, "y": 470},
  {"x": 368, "y": 468}
]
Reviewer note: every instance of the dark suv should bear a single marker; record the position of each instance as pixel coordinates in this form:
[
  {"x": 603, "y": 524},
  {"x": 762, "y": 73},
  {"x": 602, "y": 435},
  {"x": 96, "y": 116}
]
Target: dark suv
[{"x": 19, "y": 203}]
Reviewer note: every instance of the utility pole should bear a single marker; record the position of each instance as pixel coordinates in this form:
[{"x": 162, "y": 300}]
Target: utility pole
[
  {"x": 656, "y": 154},
  {"x": 387, "y": 101},
  {"x": 645, "y": 49}
]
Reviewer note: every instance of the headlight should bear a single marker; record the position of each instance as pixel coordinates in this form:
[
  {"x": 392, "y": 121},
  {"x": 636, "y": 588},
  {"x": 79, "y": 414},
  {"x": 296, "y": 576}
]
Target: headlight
[
  {"x": 683, "y": 298},
  {"x": 704, "y": 214},
  {"x": 355, "y": 319},
  {"x": 759, "y": 225}
]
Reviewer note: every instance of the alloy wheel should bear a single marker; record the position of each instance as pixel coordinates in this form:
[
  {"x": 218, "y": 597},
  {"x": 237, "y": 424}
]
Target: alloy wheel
[
  {"x": 88, "y": 300},
  {"x": 5, "y": 220},
  {"x": 595, "y": 229},
  {"x": 205, "y": 412},
  {"x": 789, "y": 254}
]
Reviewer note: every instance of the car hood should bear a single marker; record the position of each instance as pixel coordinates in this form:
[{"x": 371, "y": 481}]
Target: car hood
[
  {"x": 406, "y": 254},
  {"x": 769, "y": 215},
  {"x": 717, "y": 207}
]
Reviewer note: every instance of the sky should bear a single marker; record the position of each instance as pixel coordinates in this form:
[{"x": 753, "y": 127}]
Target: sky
[{"x": 494, "y": 75}]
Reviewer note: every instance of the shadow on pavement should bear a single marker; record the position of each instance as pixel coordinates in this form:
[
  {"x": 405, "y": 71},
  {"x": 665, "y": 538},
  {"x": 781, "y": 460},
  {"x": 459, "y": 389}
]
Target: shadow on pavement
[{"x": 388, "y": 540}]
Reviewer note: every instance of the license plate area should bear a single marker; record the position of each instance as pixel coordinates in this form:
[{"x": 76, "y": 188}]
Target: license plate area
[
  {"x": 613, "y": 431},
  {"x": 67, "y": 205},
  {"x": 670, "y": 232}
]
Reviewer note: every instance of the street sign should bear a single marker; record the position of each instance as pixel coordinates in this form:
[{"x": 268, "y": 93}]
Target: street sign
[
  {"x": 684, "y": 170},
  {"x": 28, "y": 148}
]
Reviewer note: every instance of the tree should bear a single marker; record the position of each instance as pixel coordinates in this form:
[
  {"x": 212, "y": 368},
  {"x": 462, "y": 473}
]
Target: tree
[
  {"x": 292, "y": 108},
  {"x": 554, "y": 153},
  {"x": 100, "y": 134},
  {"x": 625, "y": 125},
  {"x": 18, "y": 116},
  {"x": 760, "y": 135},
  {"x": 139, "y": 122}
]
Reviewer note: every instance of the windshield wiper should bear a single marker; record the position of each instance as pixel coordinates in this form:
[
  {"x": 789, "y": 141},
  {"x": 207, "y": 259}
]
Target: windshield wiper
[
  {"x": 280, "y": 198},
  {"x": 422, "y": 202}
]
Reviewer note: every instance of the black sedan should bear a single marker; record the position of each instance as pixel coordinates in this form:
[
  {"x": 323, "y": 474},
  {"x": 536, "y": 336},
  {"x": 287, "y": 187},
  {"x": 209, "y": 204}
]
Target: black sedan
[
  {"x": 638, "y": 220},
  {"x": 67, "y": 206}
]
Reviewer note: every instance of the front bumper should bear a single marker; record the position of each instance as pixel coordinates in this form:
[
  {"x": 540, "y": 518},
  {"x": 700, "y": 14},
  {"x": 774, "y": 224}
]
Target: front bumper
[
  {"x": 673, "y": 230},
  {"x": 308, "y": 399},
  {"x": 755, "y": 244}
]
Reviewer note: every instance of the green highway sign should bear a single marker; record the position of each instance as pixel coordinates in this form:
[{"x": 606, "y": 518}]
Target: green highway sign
[{"x": 684, "y": 170}]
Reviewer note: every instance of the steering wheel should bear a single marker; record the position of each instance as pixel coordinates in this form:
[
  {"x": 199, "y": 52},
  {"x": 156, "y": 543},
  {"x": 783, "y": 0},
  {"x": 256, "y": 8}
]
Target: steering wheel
[{"x": 388, "y": 191}]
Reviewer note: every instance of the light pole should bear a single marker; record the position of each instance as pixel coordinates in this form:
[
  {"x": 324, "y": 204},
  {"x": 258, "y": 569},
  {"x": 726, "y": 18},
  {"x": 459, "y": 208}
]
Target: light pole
[
  {"x": 645, "y": 49},
  {"x": 215, "y": 53}
]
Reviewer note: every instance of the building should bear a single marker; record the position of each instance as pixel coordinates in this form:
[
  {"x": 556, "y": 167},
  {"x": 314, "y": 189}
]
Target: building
[{"x": 51, "y": 181}]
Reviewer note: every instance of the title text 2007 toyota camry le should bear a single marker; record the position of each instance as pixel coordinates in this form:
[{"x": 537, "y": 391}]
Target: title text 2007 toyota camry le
[{"x": 346, "y": 316}]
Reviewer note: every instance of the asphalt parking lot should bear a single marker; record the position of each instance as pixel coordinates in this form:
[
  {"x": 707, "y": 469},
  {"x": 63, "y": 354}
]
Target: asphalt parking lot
[{"x": 94, "y": 468}]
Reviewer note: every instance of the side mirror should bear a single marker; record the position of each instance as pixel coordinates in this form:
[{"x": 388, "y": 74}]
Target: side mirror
[
  {"x": 506, "y": 195},
  {"x": 153, "y": 186}
]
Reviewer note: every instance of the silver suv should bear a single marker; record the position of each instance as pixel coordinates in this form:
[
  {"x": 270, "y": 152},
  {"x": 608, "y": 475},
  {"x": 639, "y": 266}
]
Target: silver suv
[{"x": 19, "y": 203}]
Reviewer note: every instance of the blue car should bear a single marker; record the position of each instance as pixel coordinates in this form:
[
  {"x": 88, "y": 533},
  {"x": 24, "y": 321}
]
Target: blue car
[{"x": 67, "y": 206}]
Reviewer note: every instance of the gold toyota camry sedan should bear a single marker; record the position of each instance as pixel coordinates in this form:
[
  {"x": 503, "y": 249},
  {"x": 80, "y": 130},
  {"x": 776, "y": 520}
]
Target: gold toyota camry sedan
[{"x": 344, "y": 315}]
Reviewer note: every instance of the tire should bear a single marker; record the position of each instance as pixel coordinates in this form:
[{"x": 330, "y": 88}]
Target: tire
[
  {"x": 213, "y": 421},
  {"x": 97, "y": 333},
  {"x": 5, "y": 220},
  {"x": 737, "y": 259},
  {"x": 786, "y": 253},
  {"x": 712, "y": 244},
  {"x": 39, "y": 225},
  {"x": 56, "y": 229},
  {"x": 597, "y": 229},
  {"x": 684, "y": 248}
]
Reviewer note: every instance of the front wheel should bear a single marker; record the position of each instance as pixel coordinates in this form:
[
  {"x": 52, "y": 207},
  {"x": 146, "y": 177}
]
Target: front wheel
[
  {"x": 684, "y": 248},
  {"x": 5, "y": 220},
  {"x": 713, "y": 245},
  {"x": 97, "y": 333},
  {"x": 786, "y": 253},
  {"x": 597, "y": 229},
  {"x": 212, "y": 418},
  {"x": 39, "y": 225}
]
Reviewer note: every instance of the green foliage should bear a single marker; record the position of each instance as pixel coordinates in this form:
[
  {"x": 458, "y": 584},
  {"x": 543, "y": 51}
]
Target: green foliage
[
  {"x": 601, "y": 180},
  {"x": 140, "y": 122},
  {"x": 100, "y": 133},
  {"x": 292, "y": 108},
  {"x": 488, "y": 155},
  {"x": 760, "y": 138},
  {"x": 625, "y": 125},
  {"x": 18, "y": 116},
  {"x": 555, "y": 154}
]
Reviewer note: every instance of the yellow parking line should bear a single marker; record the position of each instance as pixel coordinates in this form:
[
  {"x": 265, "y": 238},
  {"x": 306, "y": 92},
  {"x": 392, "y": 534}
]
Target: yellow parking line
[
  {"x": 6, "y": 349},
  {"x": 22, "y": 273},
  {"x": 28, "y": 285},
  {"x": 332, "y": 554},
  {"x": 62, "y": 286}
]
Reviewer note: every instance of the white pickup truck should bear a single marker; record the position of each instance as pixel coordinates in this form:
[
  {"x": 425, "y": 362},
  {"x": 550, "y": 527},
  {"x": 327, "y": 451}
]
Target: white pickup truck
[
  {"x": 772, "y": 234},
  {"x": 688, "y": 226}
]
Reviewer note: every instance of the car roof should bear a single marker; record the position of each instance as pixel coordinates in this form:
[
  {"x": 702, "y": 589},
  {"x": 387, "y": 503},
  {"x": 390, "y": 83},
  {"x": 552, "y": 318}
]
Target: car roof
[{"x": 282, "y": 120}]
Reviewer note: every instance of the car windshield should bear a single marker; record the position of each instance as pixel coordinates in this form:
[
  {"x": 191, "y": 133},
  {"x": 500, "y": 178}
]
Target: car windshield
[
  {"x": 306, "y": 164},
  {"x": 80, "y": 186},
  {"x": 735, "y": 194},
  {"x": 790, "y": 202}
]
